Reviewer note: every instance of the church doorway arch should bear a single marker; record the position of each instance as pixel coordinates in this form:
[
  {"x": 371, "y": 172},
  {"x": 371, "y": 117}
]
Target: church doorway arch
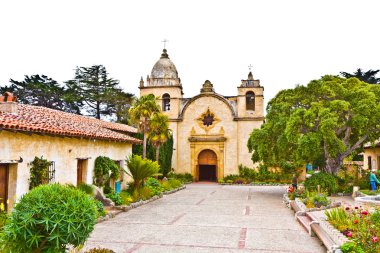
[{"x": 207, "y": 165}]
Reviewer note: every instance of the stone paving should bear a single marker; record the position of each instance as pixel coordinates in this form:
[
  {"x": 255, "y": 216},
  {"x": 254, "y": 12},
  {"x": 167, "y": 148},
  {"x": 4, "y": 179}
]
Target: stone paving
[{"x": 208, "y": 218}]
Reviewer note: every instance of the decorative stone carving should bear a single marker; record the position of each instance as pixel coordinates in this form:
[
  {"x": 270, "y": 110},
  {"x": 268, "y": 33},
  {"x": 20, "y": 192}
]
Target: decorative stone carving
[
  {"x": 207, "y": 120},
  {"x": 207, "y": 87}
]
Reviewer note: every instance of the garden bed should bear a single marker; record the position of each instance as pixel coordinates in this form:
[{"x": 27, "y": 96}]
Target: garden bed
[
  {"x": 126, "y": 208},
  {"x": 315, "y": 225}
]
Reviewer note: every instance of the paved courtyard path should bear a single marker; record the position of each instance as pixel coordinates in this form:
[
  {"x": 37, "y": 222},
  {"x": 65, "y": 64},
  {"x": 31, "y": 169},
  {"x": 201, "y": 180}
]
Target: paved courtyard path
[{"x": 208, "y": 218}]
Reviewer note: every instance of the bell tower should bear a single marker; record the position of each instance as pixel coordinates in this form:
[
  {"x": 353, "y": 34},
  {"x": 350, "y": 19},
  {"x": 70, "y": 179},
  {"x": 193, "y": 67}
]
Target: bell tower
[
  {"x": 165, "y": 84},
  {"x": 250, "y": 101}
]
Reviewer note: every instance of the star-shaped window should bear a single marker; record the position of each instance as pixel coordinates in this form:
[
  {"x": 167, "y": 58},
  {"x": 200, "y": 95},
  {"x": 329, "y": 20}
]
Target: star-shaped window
[{"x": 208, "y": 120}]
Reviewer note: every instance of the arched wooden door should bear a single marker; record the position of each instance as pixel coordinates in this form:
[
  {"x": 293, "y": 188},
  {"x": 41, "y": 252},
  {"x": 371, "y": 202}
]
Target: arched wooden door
[{"x": 207, "y": 165}]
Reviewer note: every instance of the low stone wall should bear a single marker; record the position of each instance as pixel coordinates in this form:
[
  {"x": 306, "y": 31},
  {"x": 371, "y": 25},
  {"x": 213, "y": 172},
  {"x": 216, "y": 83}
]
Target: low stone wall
[
  {"x": 136, "y": 204},
  {"x": 335, "y": 235}
]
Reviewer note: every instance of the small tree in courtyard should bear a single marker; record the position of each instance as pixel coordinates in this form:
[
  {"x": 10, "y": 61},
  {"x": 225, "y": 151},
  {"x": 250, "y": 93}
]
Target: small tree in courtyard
[
  {"x": 159, "y": 131},
  {"x": 140, "y": 112}
]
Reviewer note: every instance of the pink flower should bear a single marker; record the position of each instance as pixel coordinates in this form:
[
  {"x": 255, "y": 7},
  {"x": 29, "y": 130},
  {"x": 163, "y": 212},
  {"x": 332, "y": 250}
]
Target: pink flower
[
  {"x": 349, "y": 234},
  {"x": 364, "y": 212},
  {"x": 375, "y": 239}
]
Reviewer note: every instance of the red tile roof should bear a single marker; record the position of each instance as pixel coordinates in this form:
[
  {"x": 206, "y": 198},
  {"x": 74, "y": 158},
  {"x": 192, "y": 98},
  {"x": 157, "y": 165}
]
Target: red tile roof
[{"x": 36, "y": 119}]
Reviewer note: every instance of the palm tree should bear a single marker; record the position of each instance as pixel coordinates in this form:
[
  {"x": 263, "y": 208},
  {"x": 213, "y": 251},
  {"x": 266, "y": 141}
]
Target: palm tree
[
  {"x": 140, "y": 169},
  {"x": 140, "y": 113},
  {"x": 159, "y": 131},
  {"x": 368, "y": 77}
]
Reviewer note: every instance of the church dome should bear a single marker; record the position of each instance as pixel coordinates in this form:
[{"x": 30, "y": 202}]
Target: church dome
[{"x": 164, "y": 67}]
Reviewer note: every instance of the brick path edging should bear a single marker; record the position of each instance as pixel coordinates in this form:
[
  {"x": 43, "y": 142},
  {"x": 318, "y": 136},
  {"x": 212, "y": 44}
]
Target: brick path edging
[{"x": 136, "y": 204}]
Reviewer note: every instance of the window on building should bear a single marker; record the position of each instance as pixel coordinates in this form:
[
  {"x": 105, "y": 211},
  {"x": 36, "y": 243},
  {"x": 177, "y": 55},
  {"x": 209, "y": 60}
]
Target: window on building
[
  {"x": 52, "y": 172},
  {"x": 250, "y": 101},
  {"x": 369, "y": 163},
  {"x": 166, "y": 102}
]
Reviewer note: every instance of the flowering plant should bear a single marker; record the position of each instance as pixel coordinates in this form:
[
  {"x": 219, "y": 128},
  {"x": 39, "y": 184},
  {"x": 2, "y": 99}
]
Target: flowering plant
[{"x": 359, "y": 225}]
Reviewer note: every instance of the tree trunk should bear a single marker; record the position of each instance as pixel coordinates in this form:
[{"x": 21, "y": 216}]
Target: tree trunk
[
  {"x": 158, "y": 154},
  {"x": 97, "y": 110},
  {"x": 334, "y": 164},
  {"x": 144, "y": 145}
]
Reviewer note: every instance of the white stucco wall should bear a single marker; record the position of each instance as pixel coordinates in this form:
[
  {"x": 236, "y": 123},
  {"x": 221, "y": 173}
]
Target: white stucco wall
[{"x": 62, "y": 150}]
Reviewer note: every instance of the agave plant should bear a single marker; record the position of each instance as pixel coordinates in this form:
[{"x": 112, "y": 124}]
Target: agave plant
[{"x": 140, "y": 169}]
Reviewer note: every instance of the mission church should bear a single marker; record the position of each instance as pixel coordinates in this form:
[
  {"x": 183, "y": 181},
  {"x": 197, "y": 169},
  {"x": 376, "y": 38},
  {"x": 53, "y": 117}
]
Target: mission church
[{"x": 210, "y": 131}]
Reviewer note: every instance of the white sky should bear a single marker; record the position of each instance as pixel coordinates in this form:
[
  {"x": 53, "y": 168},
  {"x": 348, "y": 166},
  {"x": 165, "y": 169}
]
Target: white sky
[{"x": 287, "y": 42}]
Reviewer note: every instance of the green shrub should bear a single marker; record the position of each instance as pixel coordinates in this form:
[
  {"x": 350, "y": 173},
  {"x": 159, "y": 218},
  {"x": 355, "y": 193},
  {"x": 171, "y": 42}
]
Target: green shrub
[
  {"x": 184, "y": 178},
  {"x": 247, "y": 173},
  {"x": 86, "y": 188},
  {"x": 326, "y": 181},
  {"x": 99, "y": 250},
  {"x": 167, "y": 186},
  {"x": 154, "y": 185},
  {"x": 100, "y": 208},
  {"x": 49, "y": 218},
  {"x": 115, "y": 197},
  {"x": 231, "y": 177},
  {"x": 351, "y": 247},
  {"x": 145, "y": 193},
  {"x": 174, "y": 183},
  {"x": 3, "y": 219},
  {"x": 126, "y": 197}
]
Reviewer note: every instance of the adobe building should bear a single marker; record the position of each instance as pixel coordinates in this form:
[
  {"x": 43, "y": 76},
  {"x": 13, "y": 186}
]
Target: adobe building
[
  {"x": 70, "y": 142},
  {"x": 210, "y": 130},
  {"x": 371, "y": 156}
]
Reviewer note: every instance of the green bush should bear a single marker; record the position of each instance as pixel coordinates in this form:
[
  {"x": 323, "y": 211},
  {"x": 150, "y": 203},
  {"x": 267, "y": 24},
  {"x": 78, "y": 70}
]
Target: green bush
[
  {"x": 154, "y": 185},
  {"x": 174, "y": 183},
  {"x": 86, "y": 188},
  {"x": 49, "y": 218},
  {"x": 115, "y": 197},
  {"x": 3, "y": 219},
  {"x": 231, "y": 177},
  {"x": 167, "y": 186},
  {"x": 351, "y": 247},
  {"x": 126, "y": 197},
  {"x": 184, "y": 178},
  {"x": 247, "y": 173},
  {"x": 326, "y": 181},
  {"x": 100, "y": 208}
]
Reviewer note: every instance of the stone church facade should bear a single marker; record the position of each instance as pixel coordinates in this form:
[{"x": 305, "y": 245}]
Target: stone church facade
[{"x": 210, "y": 131}]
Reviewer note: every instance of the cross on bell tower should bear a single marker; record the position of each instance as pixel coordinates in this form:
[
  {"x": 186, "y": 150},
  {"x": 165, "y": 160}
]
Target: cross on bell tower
[{"x": 164, "y": 41}]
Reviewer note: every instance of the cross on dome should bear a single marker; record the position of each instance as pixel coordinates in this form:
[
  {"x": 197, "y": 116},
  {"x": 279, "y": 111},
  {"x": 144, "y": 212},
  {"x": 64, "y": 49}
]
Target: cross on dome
[{"x": 165, "y": 40}]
